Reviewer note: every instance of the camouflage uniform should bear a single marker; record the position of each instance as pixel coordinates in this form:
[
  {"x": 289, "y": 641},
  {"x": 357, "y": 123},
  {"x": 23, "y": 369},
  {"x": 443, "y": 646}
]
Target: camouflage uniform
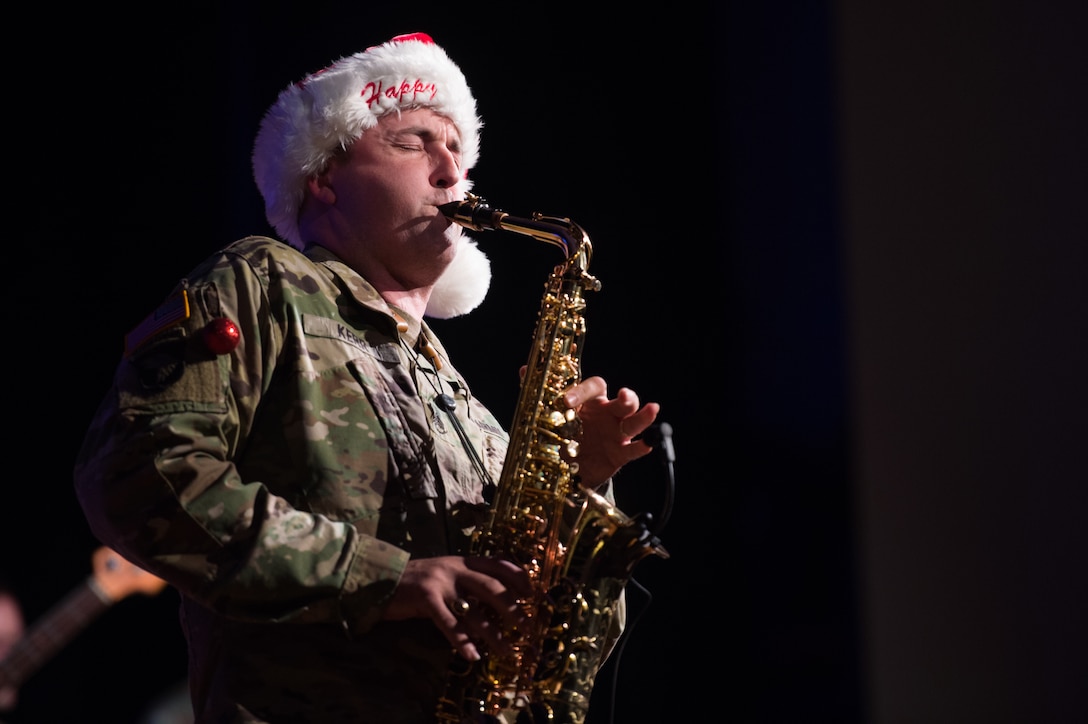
[{"x": 288, "y": 481}]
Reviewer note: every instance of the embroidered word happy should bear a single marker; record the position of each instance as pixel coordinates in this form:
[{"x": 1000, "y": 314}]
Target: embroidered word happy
[{"x": 407, "y": 91}]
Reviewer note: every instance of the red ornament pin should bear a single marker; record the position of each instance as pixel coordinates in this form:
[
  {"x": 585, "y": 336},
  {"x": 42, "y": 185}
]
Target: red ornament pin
[{"x": 221, "y": 335}]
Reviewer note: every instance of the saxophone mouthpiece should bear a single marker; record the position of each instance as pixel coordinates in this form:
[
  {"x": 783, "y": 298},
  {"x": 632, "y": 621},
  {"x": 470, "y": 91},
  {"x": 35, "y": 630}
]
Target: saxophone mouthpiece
[{"x": 473, "y": 213}]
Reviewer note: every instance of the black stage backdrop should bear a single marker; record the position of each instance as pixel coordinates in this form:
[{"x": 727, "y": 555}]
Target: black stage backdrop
[{"x": 843, "y": 248}]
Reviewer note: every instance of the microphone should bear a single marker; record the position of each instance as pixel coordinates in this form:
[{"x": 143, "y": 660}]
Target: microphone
[{"x": 659, "y": 436}]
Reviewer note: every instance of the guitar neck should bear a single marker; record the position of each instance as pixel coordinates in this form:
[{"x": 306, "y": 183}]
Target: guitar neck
[{"x": 52, "y": 631}]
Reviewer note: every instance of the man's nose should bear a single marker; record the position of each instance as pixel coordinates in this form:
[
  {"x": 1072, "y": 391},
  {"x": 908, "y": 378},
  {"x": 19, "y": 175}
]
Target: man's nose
[{"x": 447, "y": 170}]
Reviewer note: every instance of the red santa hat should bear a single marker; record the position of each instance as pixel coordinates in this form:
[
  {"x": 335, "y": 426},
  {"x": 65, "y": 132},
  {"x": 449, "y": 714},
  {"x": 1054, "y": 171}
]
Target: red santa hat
[{"x": 328, "y": 110}]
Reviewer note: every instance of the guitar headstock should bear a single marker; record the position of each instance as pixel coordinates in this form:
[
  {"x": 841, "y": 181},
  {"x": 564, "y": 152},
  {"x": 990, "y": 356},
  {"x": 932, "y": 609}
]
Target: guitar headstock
[{"x": 116, "y": 577}]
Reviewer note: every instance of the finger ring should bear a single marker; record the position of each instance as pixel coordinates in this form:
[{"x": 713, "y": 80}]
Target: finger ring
[{"x": 459, "y": 606}]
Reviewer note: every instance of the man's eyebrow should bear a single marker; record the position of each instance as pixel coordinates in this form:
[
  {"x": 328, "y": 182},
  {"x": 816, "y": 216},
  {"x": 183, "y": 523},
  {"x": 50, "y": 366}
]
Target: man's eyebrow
[
  {"x": 426, "y": 134},
  {"x": 421, "y": 131}
]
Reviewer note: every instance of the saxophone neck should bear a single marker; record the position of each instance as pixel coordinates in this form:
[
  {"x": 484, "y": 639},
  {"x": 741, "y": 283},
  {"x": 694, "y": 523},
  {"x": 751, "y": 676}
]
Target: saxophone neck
[{"x": 475, "y": 213}]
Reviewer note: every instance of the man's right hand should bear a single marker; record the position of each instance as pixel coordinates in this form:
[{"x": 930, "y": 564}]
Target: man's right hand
[{"x": 429, "y": 588}]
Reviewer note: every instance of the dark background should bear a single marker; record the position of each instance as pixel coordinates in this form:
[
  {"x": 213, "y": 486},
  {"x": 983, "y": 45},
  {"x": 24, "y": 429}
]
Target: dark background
[{"x": 843, "y": 244}]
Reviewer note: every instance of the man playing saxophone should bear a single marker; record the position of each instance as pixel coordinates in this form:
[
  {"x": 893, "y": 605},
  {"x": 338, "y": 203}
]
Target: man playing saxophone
[{"x": 287, "y": 442}]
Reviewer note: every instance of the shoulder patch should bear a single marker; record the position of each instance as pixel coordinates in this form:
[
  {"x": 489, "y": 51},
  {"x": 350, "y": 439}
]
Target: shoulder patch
[{"x": 171, "y": 312}]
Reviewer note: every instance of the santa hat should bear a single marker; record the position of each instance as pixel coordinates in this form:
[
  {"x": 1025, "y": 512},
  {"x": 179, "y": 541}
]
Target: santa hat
[{"x": 328, "y": 110}]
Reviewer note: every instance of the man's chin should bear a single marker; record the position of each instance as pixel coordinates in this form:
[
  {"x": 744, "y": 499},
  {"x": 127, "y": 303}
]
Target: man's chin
[{"x": 453, "y": 233}]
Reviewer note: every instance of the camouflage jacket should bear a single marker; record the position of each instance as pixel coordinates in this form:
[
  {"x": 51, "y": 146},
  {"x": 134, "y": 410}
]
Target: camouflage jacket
[{"x": 285, "y": 477}]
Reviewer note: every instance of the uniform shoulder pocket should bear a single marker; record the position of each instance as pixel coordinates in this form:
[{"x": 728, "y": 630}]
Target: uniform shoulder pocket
[{"x": 172, "y": 372}]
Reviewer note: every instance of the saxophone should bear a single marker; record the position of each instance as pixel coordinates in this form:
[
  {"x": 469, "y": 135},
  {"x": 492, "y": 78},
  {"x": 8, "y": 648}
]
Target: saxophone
[{"x": 578, "y": 549}]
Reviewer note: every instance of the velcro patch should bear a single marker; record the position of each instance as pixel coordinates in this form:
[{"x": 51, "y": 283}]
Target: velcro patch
[{"x": 173, "y": 311}]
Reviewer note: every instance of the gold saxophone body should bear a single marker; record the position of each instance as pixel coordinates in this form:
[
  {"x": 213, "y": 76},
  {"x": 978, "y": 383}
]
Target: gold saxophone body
[{"x": 578, "y": 549}]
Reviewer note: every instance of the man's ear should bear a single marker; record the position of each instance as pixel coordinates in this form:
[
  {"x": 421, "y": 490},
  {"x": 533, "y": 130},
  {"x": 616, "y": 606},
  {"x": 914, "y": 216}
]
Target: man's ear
[{"x": 320, "y": 189}]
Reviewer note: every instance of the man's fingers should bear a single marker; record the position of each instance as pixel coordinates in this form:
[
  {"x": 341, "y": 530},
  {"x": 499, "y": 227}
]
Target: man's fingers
[
  {"x": 634, "y": 425},
  {"x": 452, "y": 622},
  {"x": 498, "y": 576},
  {"x": 584, "y": 391}
]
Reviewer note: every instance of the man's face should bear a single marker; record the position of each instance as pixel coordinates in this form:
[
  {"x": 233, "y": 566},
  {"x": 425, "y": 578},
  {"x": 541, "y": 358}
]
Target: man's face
[{"x": 389, "y": 185}]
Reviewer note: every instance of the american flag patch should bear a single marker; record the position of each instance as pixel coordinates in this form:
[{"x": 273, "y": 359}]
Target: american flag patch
[{"x": 172, "y": 311}]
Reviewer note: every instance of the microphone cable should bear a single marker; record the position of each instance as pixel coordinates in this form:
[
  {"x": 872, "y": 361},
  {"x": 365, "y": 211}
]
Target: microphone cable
[{"x": 659, "y": 435}]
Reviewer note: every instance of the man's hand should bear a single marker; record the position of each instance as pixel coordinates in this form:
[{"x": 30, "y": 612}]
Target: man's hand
[
  {"x": 609, "y": 428},
  {"x": 437, "y": 588}
]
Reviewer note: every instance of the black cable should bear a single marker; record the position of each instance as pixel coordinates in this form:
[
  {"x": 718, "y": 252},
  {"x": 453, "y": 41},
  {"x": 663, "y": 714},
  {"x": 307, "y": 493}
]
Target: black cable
[
  {"x": 617, "y": 654},
  {"x": 659, "y": 435}
]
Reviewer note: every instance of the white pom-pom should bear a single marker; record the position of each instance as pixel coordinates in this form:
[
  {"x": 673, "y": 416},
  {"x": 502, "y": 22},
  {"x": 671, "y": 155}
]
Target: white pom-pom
[{"x": 464, "y": 284}]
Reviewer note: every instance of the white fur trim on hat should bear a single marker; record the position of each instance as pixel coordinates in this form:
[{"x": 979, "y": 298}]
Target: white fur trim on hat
[
  {"x": 328, "y": 110},
  {"x": 464, "y": 284}
]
